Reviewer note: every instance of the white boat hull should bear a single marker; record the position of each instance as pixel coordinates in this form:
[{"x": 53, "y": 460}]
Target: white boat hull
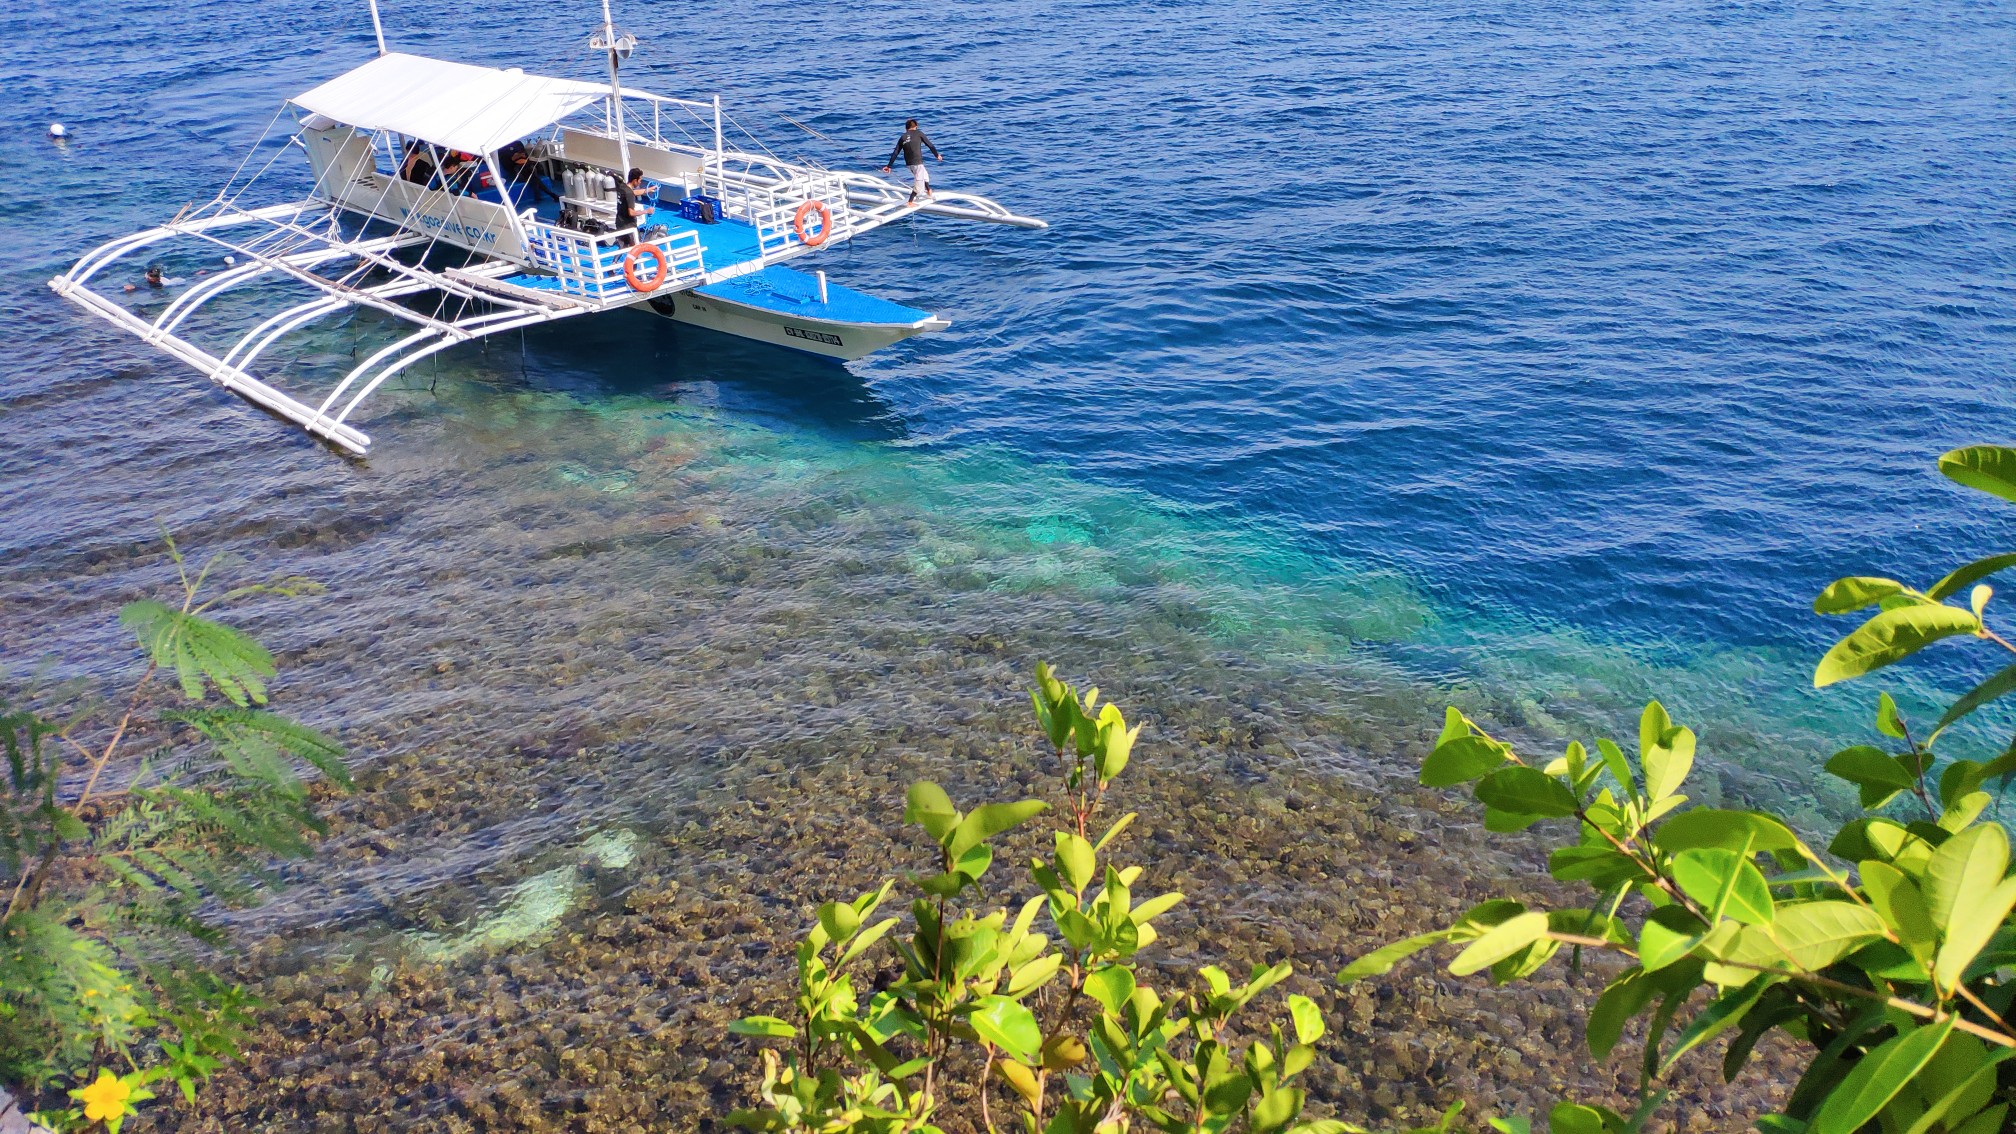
[{"x": 846, "y": 341}]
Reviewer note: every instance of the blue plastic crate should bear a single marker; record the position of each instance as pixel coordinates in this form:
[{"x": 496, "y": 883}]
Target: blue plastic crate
[{"x": 690, "y": 208}]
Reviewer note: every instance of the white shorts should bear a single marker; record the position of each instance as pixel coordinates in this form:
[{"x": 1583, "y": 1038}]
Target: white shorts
[{"x": 922, "y": 177}]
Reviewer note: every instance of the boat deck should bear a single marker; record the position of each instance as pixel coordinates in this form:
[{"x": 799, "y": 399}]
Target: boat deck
[{"x": 723, "y": 245}]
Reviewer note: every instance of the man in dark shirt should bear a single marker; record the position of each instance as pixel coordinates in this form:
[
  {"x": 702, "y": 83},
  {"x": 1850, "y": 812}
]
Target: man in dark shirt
[
  {"x": 630, "y": 214},
  {"x": 911, "y": 146}
]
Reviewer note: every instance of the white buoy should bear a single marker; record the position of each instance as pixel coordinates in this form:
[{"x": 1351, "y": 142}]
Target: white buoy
[
  {"x": 230, "y": 260},
  {"x": 56, "y": 130}
]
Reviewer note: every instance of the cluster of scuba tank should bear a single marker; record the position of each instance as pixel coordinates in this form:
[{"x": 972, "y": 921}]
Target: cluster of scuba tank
[{"x": 584, "y": 183}]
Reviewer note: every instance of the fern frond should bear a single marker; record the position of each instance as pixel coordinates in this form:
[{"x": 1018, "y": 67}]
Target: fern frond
[
  {"x": 287, "y": 586},
  {"x": 68, "y": 978},
  {"x": 198, "y": 649},
  {"x": 253, "y": 740}
]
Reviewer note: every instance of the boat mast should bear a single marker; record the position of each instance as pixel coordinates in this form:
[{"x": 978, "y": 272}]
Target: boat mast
[
  {"x": 378, "y": 26},
  {"x": 616, "y": 49}
]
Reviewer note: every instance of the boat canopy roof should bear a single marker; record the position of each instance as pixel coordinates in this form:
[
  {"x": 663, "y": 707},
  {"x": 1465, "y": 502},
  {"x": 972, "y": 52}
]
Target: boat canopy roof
[{"x": 462, "y": 107}]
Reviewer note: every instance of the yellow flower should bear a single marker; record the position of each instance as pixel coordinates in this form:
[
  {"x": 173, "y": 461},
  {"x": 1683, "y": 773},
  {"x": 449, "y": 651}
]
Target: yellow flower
[
  {"x": 111, "y": 1097},
  {"x": 106, "y": 1098}
]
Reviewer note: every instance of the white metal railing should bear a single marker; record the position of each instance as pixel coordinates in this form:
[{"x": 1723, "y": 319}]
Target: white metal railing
[
  {"x": 591, "y": 264},
  {"x": 772, "y": 210}
]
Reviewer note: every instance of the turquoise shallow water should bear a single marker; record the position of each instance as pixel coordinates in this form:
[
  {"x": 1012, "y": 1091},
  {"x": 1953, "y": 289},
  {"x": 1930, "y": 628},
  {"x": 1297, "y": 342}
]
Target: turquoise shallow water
[{"x": 1540, "y": 360}]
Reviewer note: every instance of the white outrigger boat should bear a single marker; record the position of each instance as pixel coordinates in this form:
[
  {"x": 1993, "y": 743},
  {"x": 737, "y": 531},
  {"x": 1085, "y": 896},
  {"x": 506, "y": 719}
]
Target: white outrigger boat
[{"x": 413, "y": 212}]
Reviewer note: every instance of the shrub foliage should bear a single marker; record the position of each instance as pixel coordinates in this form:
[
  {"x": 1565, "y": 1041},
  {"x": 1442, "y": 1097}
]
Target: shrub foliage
[
  {"x": 124, "y": 829},
  {"x": 1887, "y": 953}
]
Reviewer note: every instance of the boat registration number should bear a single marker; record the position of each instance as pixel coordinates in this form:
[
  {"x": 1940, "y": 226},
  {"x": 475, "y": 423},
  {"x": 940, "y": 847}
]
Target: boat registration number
[{"x": 815, "y": 336}]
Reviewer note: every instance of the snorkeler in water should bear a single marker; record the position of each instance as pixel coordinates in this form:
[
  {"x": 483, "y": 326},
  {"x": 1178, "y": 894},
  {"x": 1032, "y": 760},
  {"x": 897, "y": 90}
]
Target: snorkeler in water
[{"x": 154, "y": 279}]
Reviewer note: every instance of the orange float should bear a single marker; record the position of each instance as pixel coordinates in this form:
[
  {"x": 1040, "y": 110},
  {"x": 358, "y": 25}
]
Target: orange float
[
  {"x": 825, "y": 223},
  {"x": 630, "y": 267}
]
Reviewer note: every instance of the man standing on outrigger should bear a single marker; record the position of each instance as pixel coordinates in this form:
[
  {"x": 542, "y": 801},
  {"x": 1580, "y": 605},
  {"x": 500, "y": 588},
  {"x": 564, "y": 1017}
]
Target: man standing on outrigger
[{"x": 911, "y": 146}]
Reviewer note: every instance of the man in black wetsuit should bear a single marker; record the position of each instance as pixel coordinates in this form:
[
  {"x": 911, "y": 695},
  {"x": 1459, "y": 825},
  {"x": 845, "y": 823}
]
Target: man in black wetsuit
[{"x": 911, "y": 146}]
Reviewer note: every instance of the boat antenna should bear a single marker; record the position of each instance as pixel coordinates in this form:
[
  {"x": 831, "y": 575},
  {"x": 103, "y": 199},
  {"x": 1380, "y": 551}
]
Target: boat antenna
[
  {"x": 619, "y": 49},
  {"x": 378, "y": 26}
]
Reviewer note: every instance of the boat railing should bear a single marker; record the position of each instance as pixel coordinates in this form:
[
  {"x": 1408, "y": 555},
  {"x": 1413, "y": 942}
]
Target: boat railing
[
  {"x": 772, "y": 210},
  {"x": 591, "y": 264}
]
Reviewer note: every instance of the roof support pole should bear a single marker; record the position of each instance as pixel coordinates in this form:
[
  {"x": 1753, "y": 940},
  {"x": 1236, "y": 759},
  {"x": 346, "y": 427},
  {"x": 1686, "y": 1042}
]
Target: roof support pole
[
  {"x": 615, "y": 91},
  {"x": 720, "y": 163},
  {"x": 510, "y": 203},
  {"x": 378, "y": 26}
]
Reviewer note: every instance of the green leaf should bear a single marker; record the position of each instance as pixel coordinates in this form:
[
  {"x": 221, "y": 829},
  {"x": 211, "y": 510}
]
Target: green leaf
[
  {"x": 1901, "y": 903},
  {"x": 1855, "y": 592},
  {"x": 927, "y": 804},
  {"x": 1503, "y": 940},
  {"x": 1111, "y": 986},
  {"x": 1864, "y": 764},
  {"x": 1993, "y": 689},
  {"x": 1669, "y": 933},
  {"x": 1526, "y": 791},
  {"x": 1668, "y": 757},
  {"x": 1877, "y": 1078},
  {"x": 1626, "y": 997},
  {"x": 1461, "y": 760},
  {"x": 1727, "y": 881},
  {"x": 1007, "y": 1025},
  {"x": 1034, "y": 974},
  {"x": 763, "y": 1026},
  {"x": 1803, "y": 937},
  {"x": 1972, "y": 925},
  {"x": 1965, "y": 869},
  {"x": 1989, "y": 468},
  {"x": 946, "y": 885},
  {"x": 1154, "y": 907},
  {"x": 1276, "y": 1109},
  {"x": 1974, "y": 1087},
  {"x": 1454, "y": 724},
  {"x": 1620, "y": 768},
  {"x": 1890, "y": 636},
  {"x": 1381, "y": 962},
  {"x": 1973, "y": 572},
  {"x": 839, "y": 921},
  {"x": 1077, "y": 865},
  {"x": 864, "y": 940},
  {"x": 974, "y": 863},
  {"x": 989, "y": 820},
  {"x": 1600, "y": 866},
  {"x": 1307, "y": 1017},
  {"x": 1114, "y": 744},
  {"x": 197, "y": 649},
  {"x": 1501, "y": 822},
  {"x": 1730, "y": 830},
  {"x": 1887, "y": 721},
  {"x": 1573, "y": 1118}
]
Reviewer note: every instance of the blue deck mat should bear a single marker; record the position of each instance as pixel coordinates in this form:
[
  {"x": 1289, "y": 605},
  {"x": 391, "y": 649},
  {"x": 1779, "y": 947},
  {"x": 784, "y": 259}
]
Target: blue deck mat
[
  {"x": 790, "y": 292},
  {"x": 774, "y": 288}
]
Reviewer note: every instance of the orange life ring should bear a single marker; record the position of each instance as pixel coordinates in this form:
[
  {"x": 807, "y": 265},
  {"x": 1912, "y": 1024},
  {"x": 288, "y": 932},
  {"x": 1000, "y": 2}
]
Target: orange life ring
[
  {"x": 825, "y": 223},
  {"x": 630, "y": 267}
]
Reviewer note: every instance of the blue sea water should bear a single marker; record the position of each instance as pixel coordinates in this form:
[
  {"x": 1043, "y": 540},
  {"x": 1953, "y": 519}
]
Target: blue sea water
[
  {"x": 1541, "y": 358},
  {"x": 1519, "y": 346}
]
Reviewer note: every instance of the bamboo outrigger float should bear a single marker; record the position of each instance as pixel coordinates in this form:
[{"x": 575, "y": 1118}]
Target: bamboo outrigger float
[{"x": 458, "y": 256}]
